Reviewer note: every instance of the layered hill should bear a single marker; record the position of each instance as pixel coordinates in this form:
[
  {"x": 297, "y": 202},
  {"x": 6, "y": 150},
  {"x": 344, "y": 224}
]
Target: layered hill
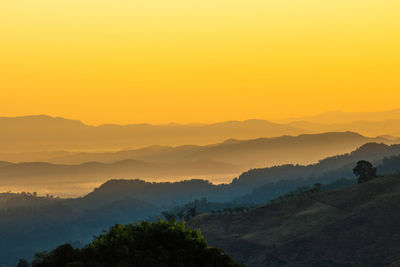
[
  {"x": 252, "y": 153},
  {"x": 334, "y": 117},
  {"x": 353, "y": 226},
  {"x": 45, "y": 133},
  {"x": 31, "y": 223},
  {"x": 227, "y": 161},
  {"x": 40, "y": 138},
  {"x": 365, "y": 127},
  {"x": 219, "y": 163}
]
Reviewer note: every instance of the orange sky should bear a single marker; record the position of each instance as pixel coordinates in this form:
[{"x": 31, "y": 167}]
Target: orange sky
[{"x": 160, "y": 61}]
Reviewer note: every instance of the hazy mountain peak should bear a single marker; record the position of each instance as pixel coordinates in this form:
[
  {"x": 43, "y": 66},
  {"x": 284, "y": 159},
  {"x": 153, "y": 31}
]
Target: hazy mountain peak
[{"x": 337, "y": 116}]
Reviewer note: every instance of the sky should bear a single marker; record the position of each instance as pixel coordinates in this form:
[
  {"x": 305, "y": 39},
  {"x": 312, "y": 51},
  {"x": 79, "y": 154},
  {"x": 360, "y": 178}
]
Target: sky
[{"x": 158, "y": 61}]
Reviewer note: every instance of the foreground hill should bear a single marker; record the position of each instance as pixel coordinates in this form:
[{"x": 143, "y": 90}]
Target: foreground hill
[{"x": 353, "y": 226}]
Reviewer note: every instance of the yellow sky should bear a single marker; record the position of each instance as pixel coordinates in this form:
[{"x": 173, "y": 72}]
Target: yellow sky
[{"x": 158, "y": 61}]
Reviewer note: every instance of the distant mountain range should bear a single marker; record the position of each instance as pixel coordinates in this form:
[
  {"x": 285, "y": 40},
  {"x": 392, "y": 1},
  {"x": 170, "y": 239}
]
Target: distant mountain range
[
  {"x": 59, "y": 136},
  {"x": 216, "y": 163},
  {"x": 261, "y": 152},
  {"x": 44, "y": 133},
  {"x": 337, "y": 117},
  {"x": 387, "y": 128},
  {"x": 44, "y": 153}
]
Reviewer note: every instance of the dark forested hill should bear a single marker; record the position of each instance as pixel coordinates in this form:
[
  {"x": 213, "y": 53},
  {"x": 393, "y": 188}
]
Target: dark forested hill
[
  {"x": 353, "y": 226},
  {"x": 374, "y": 152},
  {"x": 162, "y": 194}
]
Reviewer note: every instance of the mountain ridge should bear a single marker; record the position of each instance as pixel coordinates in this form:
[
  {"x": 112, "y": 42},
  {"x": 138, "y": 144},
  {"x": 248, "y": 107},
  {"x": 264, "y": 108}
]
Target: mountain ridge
[
  {"x": 345, "y": 117},
  {"x": 49, "y": 133},
  {"x": 219, "y": 163}
]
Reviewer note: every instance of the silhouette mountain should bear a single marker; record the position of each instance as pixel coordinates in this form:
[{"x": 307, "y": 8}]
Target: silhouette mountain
[
  {"x": 369, "y": 128},
  {"x": 42, "y": 138},
  {"x": 302, "y": 149},
  {"x": 218, "y": 163},
  {"x": 334, "y": 117},
  {"x": 45, "y": 133}
]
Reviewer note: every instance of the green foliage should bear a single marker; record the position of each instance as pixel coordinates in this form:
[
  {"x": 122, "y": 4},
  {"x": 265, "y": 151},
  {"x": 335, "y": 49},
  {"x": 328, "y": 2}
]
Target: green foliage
[{"x": 144, "y": 244}]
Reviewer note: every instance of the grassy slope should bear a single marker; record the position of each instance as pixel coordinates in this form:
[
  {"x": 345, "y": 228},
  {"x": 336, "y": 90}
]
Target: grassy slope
[{"x": 354, "y": 226}]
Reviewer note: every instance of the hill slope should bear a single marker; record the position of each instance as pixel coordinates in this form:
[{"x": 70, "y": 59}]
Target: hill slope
[{"x": 353, "y": 226}]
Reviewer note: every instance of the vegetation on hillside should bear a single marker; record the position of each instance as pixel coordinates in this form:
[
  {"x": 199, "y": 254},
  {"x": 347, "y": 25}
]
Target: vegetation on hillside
[
  {"x": 351, "y": 226},
  {"x": 30, "y": 222},
  {"x": 143, "y": 244}
]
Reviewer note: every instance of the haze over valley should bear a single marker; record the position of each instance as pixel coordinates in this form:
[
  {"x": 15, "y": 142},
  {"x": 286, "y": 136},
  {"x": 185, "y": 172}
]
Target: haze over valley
[{"x": 77, "y": 169}]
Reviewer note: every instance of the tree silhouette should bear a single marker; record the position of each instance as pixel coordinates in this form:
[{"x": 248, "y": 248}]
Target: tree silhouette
[{"x": 365, "y": 171}]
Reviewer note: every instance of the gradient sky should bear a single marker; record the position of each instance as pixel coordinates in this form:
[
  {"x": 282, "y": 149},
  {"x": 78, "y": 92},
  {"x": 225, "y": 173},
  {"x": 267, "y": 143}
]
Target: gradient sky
[{"x": 160, "y": 61}]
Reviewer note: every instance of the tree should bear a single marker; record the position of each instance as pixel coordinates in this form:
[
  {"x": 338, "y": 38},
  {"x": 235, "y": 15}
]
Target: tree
[
  {"x": 365, "y": 171},
  {"x": 144, "y": 244}
]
